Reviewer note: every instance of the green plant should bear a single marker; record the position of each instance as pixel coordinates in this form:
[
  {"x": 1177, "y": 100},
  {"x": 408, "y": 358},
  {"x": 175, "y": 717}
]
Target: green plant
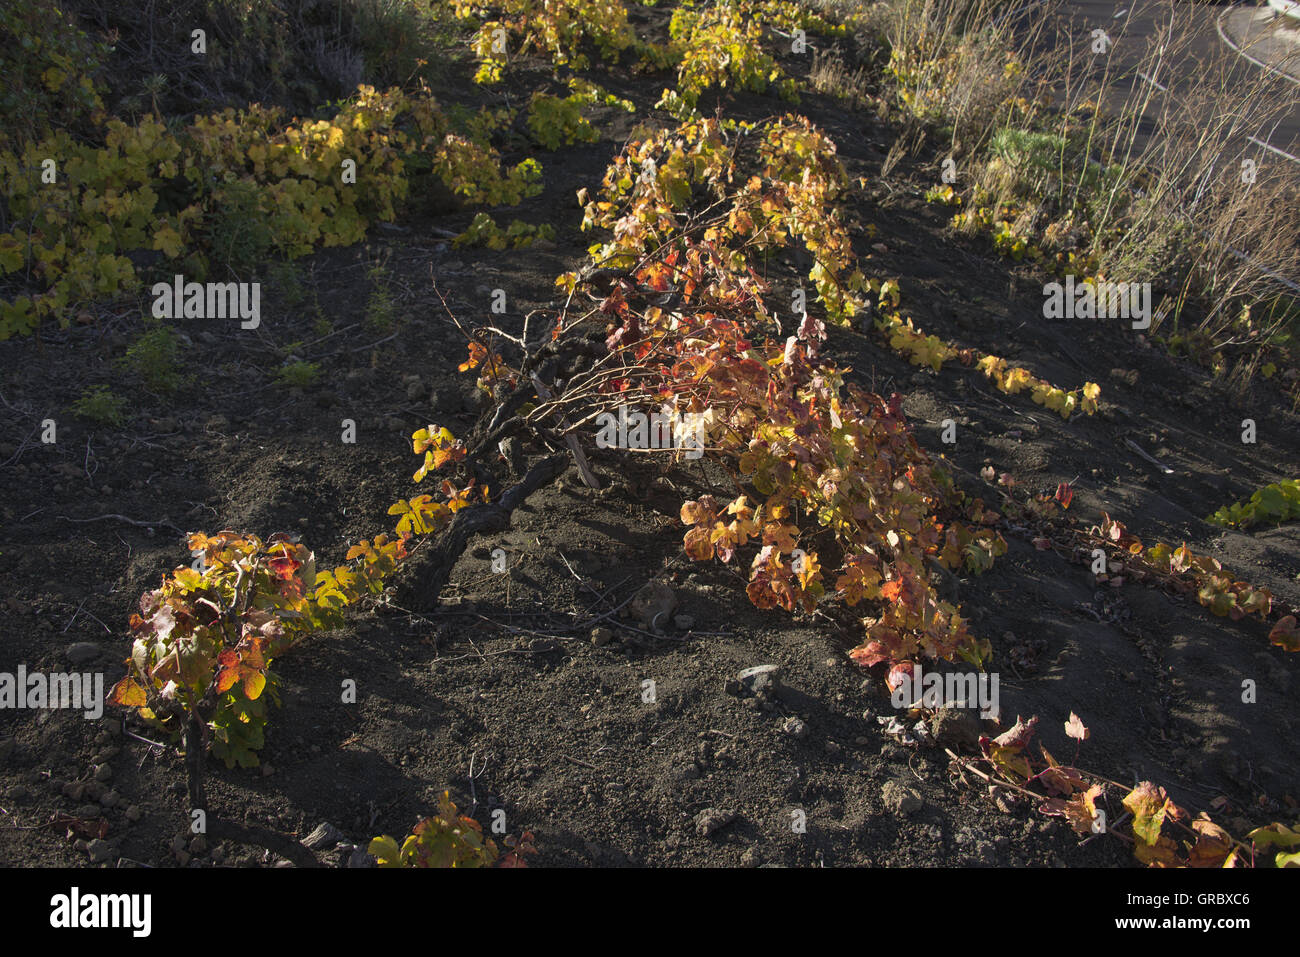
[
  {"x": 449, "y": 839},
  {"x": 379, "y": 304},
  {"x": 559, "y": 29},
  {"x": 554, "y": 122},
  {"x": 155, "y": 358},
  {"x": 1277, "y": 503},
  {"x": 484, "y": 231},
  {"x": 286, "y": 280},
  {"x": 298, "y": 374},
  {"x": 205, "y": 640},
  {"x": 100, "y": 405},
  {"x": 51, "y": 69}
]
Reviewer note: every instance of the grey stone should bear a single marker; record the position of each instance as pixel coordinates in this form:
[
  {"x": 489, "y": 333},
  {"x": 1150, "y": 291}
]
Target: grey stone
[
  {"x": 761, "y": 680},
  {"x": 324, "y": 837},
  {"x": 900, "y": 800},
  {"x": 795, "y": 727},
  {"x": 653, "y": 605},
  {"x": 99, "y": 851},
  {"x": 82, "y": 652},
  {"x": 956, "y": 727},
  {"x": 711, "y": 820}
]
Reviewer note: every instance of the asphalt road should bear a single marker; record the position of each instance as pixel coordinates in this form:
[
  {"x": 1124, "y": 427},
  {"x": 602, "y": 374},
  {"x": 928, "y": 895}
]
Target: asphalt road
[
  {"x": 1231, "y": 41},
  {"x": 1236, "y": 45}
]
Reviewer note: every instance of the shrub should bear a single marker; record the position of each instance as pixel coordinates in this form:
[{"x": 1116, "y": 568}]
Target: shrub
[{"x": 101, "y": 406}]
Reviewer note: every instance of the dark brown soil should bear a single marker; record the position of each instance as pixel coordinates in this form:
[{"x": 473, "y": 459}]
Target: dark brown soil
[{"x": 504, "y": 678}]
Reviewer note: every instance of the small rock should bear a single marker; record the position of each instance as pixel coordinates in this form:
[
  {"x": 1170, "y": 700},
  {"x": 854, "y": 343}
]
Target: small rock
[
  {"x": 183, "y": 858},
  {"x": 512, "y": 451},
  {"x": 88, "y": 812},
  {"x": 711, "y": 820},
  {"x": 82, "y": 652},
  {"x": 324, "y": 837},
  {"x": 956, "y": 727},
  {"x": 684, "y": 622},
  {"x": 110, "y": 799},
  {"x": 600, "y": 637},
  {"x": 133, "y": 813},
  {"x": 103, "y": 773},
  {"x": 267, "y": 770},
  {"x": 99, "y": 851},
  {"x": 198, "y": 844},
  {"x": 93, "y": 791},
  {"x": 751, "y": 858},
  {"x": 795, "y": 727},
  {"x": 899, "y": 799},
  {"x": 360, "y": 858},
  {"x": 653, "y": 604},
  {"x": 762, "y": 680},
  {"x": 74, "y": 790}
]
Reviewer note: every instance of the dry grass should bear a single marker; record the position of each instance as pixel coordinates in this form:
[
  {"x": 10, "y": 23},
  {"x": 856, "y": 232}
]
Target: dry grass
[{"x": 1148, "y": 182}]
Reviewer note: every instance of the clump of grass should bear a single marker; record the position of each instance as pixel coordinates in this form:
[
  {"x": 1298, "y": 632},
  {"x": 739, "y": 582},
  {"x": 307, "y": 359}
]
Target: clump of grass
[
  {"x": 831, "y": 76},
  {"x": 299, "y": 374},
  {"x": 155, "y": 358},
  {"x": 238, "y": 232},
  {"x": 284, "y": 276},
  {"x": 100, "y": 405},
  {"x": 380, "y": 308}
]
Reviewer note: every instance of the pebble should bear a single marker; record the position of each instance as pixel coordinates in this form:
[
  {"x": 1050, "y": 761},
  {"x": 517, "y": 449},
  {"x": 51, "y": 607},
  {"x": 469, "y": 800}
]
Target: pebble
[
  {"x": 74, "y": 790},
  {"x": 82, "y": 652},
  {"x": 900, "y": 800},
  {"x": 795, "y": 727},
  {"x": 956, "y": 727},
  {"x": 763, "y": 680},
  {"x": 600, "y": 637},
  {"x": 711, "y": 820},
  {"x": 133, "y": 813},
  {"x": 324, "y": 837},
  {"x": 103, "y": 773},
  {"x": 110, "y": 799},
  {"x": 99, "y": 851}
]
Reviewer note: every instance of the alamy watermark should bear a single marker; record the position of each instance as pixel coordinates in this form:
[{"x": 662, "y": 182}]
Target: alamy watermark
[
  {"x": 1098, "y": 300},
  {"x": 54, "y": 690},
  {"x": 934, "y": 689},
  {"x": 665, "y": 429},
  {"x": 214, "y": 300},
  {"x": 76, "y": 910}
]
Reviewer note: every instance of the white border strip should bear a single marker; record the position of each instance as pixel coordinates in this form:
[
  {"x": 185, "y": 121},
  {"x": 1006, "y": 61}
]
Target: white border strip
[{"x": 1218, "y": 25}]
